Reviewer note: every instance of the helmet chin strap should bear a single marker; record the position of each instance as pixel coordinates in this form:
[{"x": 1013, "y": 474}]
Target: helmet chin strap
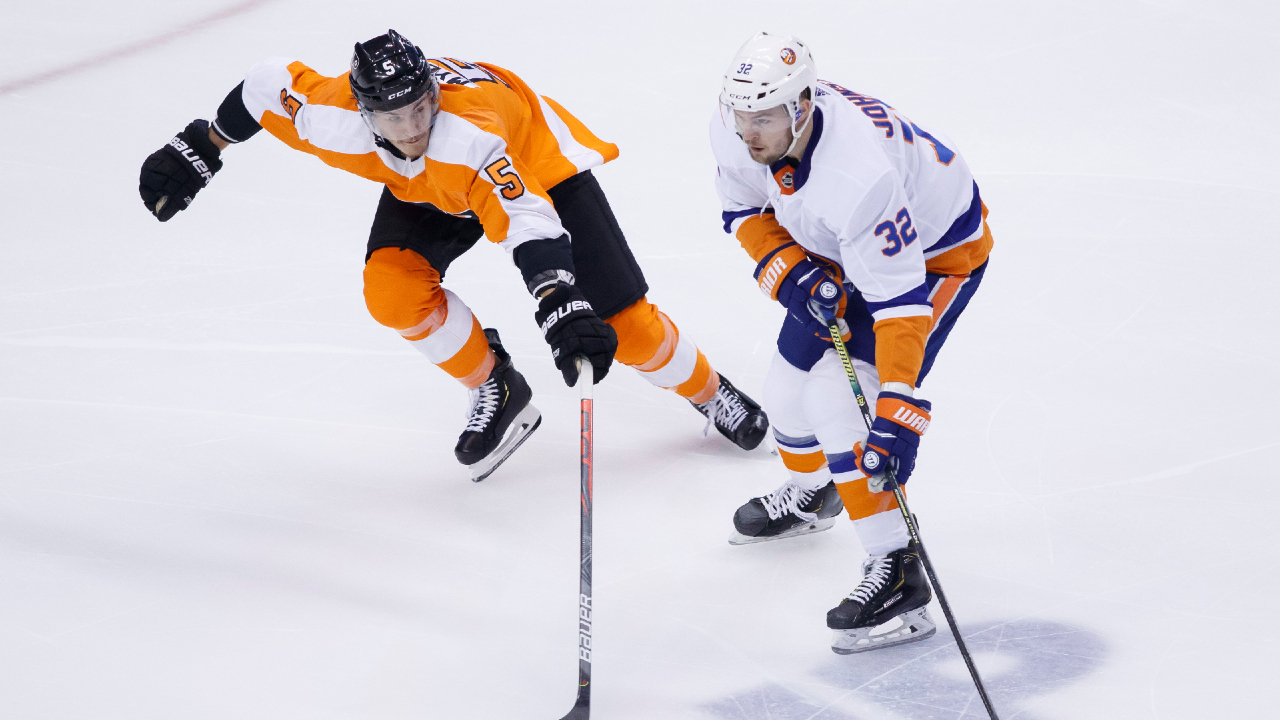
[{"x": 794, "y": 106}]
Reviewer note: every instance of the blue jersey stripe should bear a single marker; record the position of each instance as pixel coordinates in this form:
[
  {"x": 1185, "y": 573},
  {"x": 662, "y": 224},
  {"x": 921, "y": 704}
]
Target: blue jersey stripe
[
  {"x": 964, "y": 226},
  {"x": 729, "y": 217}
]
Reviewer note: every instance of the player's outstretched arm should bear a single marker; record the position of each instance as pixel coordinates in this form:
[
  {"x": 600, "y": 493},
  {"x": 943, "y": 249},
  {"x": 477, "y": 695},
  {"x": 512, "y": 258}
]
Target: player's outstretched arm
[{"x": 172, "y": 175}]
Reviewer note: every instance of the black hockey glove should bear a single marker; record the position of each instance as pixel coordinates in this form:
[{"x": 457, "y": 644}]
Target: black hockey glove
[
  {"x": 572, "y": 328},
  {"x": 172, "y": 175}
]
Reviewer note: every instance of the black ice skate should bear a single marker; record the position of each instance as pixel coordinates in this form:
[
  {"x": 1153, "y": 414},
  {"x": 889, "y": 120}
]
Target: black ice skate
[
  {"x": 735, "y": 415},
  {"x": 893, "y": 587},
  {"x": 501, "y": 417},
  {"x": 786, "y": 512}
]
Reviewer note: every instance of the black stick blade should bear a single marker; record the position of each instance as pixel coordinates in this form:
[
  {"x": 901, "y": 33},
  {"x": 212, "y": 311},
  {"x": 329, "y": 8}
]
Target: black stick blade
[{"x": 581, "y": 710}]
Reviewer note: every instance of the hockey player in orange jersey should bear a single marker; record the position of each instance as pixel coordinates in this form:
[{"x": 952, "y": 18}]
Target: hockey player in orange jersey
[{"x": 463, "y": 150}]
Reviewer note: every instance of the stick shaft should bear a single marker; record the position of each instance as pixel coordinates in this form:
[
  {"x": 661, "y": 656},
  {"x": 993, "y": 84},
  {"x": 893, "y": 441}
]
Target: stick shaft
[
  {"x": 892, "y": 481},
  {"x": 582, "y": 706}
]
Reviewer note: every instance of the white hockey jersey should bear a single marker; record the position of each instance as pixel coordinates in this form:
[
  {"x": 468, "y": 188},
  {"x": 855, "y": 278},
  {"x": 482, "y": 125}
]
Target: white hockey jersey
[{"x": 883, "y": 199}]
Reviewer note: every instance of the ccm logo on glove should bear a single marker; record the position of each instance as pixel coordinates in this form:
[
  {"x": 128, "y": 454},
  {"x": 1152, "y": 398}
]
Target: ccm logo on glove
[{"x": 565, "y": 311}]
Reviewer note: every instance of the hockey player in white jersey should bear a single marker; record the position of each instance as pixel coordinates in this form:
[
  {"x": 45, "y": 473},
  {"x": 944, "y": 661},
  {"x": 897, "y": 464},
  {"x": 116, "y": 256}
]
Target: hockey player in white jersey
[{"x": 852, "y": 211}]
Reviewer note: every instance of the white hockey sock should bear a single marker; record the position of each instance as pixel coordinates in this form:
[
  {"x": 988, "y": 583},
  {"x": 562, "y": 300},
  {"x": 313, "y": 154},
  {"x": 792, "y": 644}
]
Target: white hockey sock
[{"x": 883, "y": 533}]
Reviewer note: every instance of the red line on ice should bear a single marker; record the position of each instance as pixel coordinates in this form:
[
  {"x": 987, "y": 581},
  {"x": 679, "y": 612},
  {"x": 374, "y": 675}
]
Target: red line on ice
[{"x": 132, "y": 48}]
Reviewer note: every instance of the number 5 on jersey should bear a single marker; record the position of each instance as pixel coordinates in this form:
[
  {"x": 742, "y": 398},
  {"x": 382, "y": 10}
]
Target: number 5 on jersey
[{"x": 504, "y": 176}]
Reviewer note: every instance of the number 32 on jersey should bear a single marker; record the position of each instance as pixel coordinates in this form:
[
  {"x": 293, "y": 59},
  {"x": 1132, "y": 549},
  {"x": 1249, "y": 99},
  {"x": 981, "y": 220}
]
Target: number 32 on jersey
[{"x": 897, "y": 233}]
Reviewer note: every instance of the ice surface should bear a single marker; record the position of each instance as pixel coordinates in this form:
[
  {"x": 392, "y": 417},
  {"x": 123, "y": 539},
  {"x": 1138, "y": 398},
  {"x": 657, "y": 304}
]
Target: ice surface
[{"x": 226, "y": 492}]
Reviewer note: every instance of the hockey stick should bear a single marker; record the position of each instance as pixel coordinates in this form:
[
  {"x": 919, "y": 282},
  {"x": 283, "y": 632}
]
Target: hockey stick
[
  {"x": 582, "y": 707},
  {"x": 892, "y": 481}
]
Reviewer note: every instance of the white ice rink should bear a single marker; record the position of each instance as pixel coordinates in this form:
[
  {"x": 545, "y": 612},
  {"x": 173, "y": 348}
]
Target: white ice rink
[{"x": 226, "y": 492}]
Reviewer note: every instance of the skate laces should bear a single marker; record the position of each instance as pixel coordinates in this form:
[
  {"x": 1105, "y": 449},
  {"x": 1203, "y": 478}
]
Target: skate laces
[
  {"x": 484, "y": 403},
  {"x": 788, "y": 499},
  {"x": 874, "y": 576},
  {"x": 725, "y": 409}
]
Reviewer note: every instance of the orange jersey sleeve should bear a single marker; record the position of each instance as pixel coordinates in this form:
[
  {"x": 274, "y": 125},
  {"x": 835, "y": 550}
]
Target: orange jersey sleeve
[
  {"x": 900, "y": 347},
  {"x": 760, "y": 235},
  {"x": 495, "y": 144}
]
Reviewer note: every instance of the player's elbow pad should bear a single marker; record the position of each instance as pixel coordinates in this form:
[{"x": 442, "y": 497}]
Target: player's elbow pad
[
  {"x": 543, "y": 263},
  {"x": 234, "y": 123}
]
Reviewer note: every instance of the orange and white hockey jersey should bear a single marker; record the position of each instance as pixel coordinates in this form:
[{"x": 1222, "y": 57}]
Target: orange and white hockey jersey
[{"x": 495, "y": 148}]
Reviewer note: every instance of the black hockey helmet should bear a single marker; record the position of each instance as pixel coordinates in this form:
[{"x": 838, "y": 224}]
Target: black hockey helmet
[{"x": 389, "y": 72}]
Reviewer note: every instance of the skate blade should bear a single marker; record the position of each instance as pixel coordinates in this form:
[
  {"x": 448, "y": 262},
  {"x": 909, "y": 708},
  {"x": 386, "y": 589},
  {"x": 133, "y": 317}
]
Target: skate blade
[
  {"x": 916, "y": 626},
  {"x": 816, "y": 526},
  {"x": 520, "y": 429}
]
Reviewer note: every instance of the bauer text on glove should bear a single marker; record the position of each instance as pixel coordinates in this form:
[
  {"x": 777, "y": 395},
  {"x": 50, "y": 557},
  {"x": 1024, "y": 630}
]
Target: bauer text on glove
[
  {"x": 571, "y": 327},
  {"x": 172, "y": 175}
]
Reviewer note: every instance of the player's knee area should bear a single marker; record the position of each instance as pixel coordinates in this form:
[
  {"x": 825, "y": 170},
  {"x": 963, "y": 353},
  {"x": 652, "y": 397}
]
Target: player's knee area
[
  {"x": 641, "y": 332},
  {"x": 401, "y": 289}
]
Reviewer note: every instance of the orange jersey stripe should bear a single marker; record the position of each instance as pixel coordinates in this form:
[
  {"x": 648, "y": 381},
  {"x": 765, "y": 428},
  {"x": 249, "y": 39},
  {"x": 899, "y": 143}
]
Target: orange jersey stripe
[
  {"x": 943, "y": 294},
  {"x": 321, "y": 90},
  {"x": 966, "y": 258}
]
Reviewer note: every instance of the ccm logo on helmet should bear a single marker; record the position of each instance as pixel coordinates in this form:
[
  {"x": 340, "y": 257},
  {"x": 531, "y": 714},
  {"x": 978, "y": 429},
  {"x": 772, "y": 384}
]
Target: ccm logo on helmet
[
  {"x": 395, "y": 95},
  {"x": 788, "y": 56}
]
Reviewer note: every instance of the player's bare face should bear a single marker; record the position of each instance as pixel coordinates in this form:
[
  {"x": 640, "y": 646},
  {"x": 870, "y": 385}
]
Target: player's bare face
[
  {"x": 408, "y": 128},
  {"x": 767, "y": 133}
]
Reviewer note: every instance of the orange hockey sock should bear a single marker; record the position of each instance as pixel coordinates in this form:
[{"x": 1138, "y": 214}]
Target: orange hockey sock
[
  {"x": 861, "y": 503},
  {"x": 649, "y": 342},
  {"x": 402, "y": 291}
]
